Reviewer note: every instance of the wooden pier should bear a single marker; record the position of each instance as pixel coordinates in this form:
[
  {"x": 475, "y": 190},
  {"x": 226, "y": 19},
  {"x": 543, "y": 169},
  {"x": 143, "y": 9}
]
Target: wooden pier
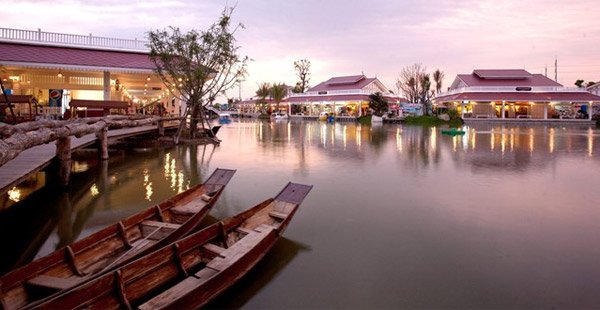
[{"x": 34, "y": 159}]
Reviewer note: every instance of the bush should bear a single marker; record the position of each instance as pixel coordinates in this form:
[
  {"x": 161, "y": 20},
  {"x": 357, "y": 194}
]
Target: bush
[
  {"x": 365, "y": 120},
  {"x": 453, "y": 114}
]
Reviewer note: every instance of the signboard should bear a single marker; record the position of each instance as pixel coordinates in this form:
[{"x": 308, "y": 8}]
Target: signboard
[{"x": 55, "y": 97}]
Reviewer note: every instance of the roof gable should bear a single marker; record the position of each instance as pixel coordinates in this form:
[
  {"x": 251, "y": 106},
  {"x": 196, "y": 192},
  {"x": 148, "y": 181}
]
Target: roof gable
[
  {"x": 502, "y": 74},
  {"x": 506, "y": 78},
  {"x": 352, "y": 82}
]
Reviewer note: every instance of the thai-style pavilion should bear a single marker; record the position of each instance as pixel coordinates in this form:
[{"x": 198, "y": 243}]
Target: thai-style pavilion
[
  {"x": 515, "y": 94},
  {"x": 342, "y": 96}
]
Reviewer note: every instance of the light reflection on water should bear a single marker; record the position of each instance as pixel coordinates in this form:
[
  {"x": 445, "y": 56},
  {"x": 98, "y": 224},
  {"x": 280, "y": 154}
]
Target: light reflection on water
[{"x": 400, "y": 216}]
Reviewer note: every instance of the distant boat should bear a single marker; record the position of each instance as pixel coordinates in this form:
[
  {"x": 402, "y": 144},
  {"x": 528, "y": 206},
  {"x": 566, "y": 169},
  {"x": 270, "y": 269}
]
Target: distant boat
[
  {"x": 224, "y": 118},
  {"x": 112, "y": 246},
  {"x": 279, "y": 116},
  {"x": 190, "y": 272},
  {"x": 452, "y": 132}
]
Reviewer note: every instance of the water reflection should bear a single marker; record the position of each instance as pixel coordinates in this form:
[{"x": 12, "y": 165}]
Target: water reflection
[{"x": 400, "y": 216}]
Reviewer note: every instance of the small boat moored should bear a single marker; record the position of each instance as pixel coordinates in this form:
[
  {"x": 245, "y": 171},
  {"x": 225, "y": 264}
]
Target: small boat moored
[
  {"x": 279, "y": 116},
  {"x": 112, "y": 246},
  {"x": 452, "y": 132},
  {"x": 224, "y": 118},
  {"x": 190, "y": 272}
]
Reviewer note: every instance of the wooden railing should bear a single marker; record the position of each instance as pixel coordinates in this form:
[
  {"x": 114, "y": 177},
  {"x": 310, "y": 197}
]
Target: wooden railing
[{"x": 76, "y": 40}]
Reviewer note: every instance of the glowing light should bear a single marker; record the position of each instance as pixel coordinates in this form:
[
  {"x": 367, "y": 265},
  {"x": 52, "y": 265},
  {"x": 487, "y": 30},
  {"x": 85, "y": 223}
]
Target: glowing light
[
  {"x": 94, "y": 190},
  {"x": 14, "y": 194}
]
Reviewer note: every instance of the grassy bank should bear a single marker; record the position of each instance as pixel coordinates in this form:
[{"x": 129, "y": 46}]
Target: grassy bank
[{"x": 431, "y": 121}]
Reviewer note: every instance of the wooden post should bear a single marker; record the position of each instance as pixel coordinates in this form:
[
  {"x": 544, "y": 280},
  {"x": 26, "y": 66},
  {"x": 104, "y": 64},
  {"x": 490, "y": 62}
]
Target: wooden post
[
  {"x": 161, "y": 128},
  {"x": 102, "y": 136},
  {"x": 63, "y": 153}
]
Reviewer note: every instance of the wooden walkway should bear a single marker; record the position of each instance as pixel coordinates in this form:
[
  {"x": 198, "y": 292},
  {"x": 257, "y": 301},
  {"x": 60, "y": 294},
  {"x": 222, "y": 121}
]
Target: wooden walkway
[{"x": 38, "y": 157}]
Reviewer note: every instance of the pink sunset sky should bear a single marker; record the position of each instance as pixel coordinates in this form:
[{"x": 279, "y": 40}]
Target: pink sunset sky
[{"x": 377, "y": 38}]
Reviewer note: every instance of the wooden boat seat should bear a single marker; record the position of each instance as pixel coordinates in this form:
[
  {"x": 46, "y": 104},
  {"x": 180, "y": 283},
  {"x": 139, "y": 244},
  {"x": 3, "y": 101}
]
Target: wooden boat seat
[
  {"x": 157, "y": 230},
  {"x": 213, "y": 248},
  {"x": 278, "y": 215},
  {"x": 189, "y": 208},
  {"x": 244, "y": 230},
  {"x": 53, "y": 283}
]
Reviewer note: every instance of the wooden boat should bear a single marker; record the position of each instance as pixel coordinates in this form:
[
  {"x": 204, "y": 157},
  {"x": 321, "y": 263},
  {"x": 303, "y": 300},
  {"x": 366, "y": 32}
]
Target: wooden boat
[
  {"x": 114, "y": 245},
  {"x": 193, "y": 270}
]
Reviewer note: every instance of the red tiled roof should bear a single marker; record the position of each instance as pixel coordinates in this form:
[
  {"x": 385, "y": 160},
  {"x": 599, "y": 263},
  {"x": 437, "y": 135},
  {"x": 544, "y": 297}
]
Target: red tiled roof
[
  {"x": 502, "y": 73},
  {"x": 343, "y": 83},
  {"x": 521, "y": 96},
  {"x": 536, "y": 80},
  {"x": 11, "y": 52}
]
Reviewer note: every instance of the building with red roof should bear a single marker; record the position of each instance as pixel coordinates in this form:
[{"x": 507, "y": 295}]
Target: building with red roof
[
  {"x": 343, "y": 96},
  {"x": 515, "y": 93},
  {"x": 44, "y": 64}
]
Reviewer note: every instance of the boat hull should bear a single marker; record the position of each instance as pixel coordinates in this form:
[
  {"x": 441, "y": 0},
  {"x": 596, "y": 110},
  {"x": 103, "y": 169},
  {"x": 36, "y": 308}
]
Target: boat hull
[{"x": 112, "y": 246}]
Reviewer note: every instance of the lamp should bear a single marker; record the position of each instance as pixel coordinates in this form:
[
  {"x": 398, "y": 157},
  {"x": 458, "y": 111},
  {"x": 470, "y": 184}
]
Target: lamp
[
  {"x": 148, "y": 78},
  {"x": 59, "y": 74}
]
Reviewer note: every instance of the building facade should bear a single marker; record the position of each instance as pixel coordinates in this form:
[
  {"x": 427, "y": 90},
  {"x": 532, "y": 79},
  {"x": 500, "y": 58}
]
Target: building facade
[
  {"x": 343, "y": 96},
  {"x": 53, "y": 69},
  {"x": 516, "y": 94}
]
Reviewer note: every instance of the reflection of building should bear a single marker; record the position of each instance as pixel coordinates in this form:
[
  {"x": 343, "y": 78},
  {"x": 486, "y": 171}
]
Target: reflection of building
[
  {"x": 515, "y": 94},
  {"x": 55, "y": 68}
]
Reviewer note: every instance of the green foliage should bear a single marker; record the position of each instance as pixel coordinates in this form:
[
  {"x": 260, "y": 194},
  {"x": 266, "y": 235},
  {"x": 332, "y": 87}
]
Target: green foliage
[
  {"x": 579, "y": 83},
  {"x": 198, "y": 66},
  {"x": 364, "y": 120},
  {"x": 423, "y": 120},
  {"x": 453, "y": 114},
  {"x": 378, "y": 104},
  {"x": 278, "y": 92}
]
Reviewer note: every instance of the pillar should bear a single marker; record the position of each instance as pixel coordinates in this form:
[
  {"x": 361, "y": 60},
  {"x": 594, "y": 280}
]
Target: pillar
[
  {"x": 462, "y": 109},
  {"x": 161, "y": 128},
  {"x": 546, "y": 110},
  {"x": 106, "y": 85},
  {"x": 590, "y": 110},
  {"x": 102, "y": 136},
  {"x": 63, "y": 153},
  {"x": 503, "y": 114}
]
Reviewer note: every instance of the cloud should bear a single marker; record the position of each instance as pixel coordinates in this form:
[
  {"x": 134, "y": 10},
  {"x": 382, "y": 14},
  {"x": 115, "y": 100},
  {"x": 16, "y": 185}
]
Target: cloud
[{"x": 349, "y": 37}]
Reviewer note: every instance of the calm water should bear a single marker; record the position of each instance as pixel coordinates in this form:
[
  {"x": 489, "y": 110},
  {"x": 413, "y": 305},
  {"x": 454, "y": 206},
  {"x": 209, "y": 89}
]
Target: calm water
[{"x": 399, "y": 217}]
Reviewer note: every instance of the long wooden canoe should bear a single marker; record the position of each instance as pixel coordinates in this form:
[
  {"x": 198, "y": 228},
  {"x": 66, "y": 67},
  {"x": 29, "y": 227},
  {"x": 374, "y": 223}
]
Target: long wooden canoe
[
  {"x": 113, "y": 246},
  {"x": 193, "y": 270}
]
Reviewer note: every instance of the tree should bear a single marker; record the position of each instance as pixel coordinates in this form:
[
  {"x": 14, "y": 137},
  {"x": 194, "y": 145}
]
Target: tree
[
  {"x": 579, "y": 83},
  {"x": 378, "y": 104},
  {"x": 198, "y": 66},
  {"x": 302, "y": 68},
  {"x": 263, "y": 91},
  {"x": 409, "y": 82},
  {"x": 424, "y": 92},
  {"x": 438, "y": 77},
  {"x": 278, "y": 92}
]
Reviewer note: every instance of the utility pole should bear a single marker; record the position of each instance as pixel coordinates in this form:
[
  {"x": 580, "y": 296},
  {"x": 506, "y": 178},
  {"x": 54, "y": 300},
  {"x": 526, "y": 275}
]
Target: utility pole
[
  {"x": 555, "y": 69},
  {"x": 546, "y": 70}
]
